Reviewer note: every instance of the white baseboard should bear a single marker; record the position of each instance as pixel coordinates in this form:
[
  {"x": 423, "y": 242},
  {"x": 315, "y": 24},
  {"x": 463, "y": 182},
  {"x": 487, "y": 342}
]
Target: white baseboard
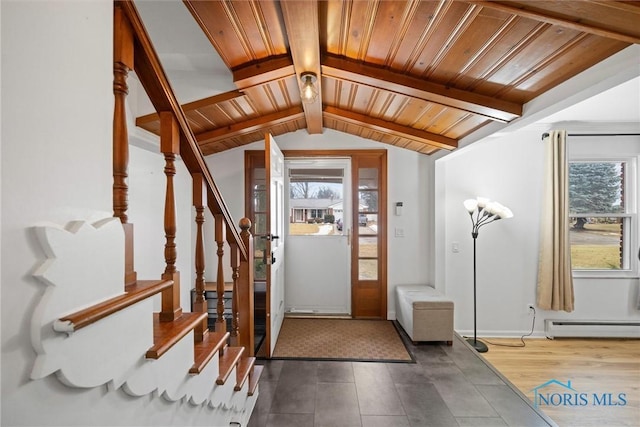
[{"x": 501, "y": 334}]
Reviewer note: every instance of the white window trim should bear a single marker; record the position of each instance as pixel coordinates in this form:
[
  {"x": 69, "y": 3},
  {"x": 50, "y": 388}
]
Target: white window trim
[{"x": 631, "y": 209}]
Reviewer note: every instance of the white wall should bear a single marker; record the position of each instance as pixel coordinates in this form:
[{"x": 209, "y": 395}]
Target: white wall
[
  {"x": 508, "y": 169},
  {"x": 408, "y": 182},
  {"x": 57, "y": 108}
]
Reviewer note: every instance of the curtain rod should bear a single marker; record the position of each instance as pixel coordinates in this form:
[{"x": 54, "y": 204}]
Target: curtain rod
[{"x": 546, "y": 134}]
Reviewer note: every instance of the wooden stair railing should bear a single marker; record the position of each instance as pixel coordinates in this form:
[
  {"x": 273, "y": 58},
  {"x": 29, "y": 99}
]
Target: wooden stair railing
[
  {"x": 171, "y": 324},
  {"x": 177, "y": 138}
]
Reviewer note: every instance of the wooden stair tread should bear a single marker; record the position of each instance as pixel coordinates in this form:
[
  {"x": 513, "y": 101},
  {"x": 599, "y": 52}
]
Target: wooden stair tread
[
  {"x": 133, "y": 293},
  {"x": 245, "y": 366},
  {"x": 254, "y": 378},
  {"x": 166, "y": 334},
  {"x": 228, "y": 360},
  {"x": 204, "y": 350}
]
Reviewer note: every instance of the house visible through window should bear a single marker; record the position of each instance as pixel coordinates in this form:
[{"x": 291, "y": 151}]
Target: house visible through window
[
  {"x": 315, "y": 201},
  {"x": 601, "y": 215}
]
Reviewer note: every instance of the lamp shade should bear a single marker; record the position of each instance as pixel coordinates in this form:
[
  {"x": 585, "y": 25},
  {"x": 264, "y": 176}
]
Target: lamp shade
[
  {"x": 482, "y": 202},
  {"x": 470, "y": 205}
]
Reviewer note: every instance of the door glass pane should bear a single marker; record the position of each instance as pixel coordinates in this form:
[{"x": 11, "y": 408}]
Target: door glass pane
[
  {"x": 259, "y": 261},
  {"x": 315, "y": 202},
  {"x": 367, "y": 247},
  {"x": 368, "y": 178},
  {"x": 368, "y": 269},
  {"x": 259, "y": 199},
  {"x": 259, "y": 196},
  {"x": 260, "y": 225},
  {"x": 367, "y": 224}
]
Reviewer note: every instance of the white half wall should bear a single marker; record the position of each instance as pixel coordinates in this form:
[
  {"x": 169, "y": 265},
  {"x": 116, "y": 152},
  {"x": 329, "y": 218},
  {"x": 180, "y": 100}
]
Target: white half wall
[
  {"x": 57, "y": 109},
  {"x": 409, "y": 181}
]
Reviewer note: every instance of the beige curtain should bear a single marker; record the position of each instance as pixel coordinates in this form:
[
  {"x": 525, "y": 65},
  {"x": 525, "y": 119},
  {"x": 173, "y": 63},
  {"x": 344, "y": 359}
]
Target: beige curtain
[{"x": 555, "y": 281}]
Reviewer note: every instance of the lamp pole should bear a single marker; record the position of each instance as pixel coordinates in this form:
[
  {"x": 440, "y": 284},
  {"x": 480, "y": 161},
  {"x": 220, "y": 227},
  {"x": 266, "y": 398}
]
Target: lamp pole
[
  {"x": 478, "y": 345},
  {"x": 485, "y": 213}
]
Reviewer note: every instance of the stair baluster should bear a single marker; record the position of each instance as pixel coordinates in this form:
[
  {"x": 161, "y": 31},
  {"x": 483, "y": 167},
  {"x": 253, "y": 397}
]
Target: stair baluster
[
  {"x": 170, "y": 147},
  {"x": 235, "y": 267},
  {"x": 200, "y": 303},
  {"x": 220, "y": 229}
]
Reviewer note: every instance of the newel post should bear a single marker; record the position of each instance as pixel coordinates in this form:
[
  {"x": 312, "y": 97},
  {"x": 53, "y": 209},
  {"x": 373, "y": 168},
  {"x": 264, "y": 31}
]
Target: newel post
[
  {"x": 245, "y": 290},
  {"x": 170, "y": 147}
]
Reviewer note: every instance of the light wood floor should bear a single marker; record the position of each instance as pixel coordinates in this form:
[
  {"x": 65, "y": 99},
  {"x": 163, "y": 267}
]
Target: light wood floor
[{"x": 597, "y": 366}]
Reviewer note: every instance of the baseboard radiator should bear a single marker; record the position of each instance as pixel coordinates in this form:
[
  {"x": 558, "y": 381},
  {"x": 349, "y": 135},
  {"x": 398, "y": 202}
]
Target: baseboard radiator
[{"x": 591, "y": 328}]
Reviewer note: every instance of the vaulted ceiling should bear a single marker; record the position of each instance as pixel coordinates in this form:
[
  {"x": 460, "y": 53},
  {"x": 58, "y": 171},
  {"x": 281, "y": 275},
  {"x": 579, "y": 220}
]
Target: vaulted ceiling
[{"x": 414, "y": 74}]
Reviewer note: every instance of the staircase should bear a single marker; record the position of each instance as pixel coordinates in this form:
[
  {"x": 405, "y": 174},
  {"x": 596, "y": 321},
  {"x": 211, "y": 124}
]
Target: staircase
[{"x": 98, "y": 324}]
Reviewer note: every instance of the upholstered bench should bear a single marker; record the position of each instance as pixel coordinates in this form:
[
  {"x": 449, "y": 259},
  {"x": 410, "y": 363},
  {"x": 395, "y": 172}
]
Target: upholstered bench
[{"x": 424, "y": 313}]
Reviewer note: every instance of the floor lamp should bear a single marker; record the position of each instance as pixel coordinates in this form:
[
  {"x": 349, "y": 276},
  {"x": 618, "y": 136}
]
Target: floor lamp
[{"x": 482, "y": 212}]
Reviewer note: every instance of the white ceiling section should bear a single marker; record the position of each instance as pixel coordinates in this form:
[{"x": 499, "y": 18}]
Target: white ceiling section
[{"x": 619, "y": 104}]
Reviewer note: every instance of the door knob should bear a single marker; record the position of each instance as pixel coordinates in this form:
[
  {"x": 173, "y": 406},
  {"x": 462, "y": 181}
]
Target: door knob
[{"x": 270, "y": 237}]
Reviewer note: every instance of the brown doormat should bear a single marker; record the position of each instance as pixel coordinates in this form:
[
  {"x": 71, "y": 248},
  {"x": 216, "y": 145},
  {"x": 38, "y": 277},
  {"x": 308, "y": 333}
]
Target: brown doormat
[{"x": 340, "y": 339}]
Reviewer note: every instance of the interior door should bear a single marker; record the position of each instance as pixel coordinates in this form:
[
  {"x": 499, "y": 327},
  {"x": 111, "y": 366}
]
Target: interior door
[{"x": 275, "y": 242}]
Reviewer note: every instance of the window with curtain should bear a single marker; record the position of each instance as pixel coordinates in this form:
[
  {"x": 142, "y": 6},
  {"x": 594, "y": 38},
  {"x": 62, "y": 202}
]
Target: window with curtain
[{"x": 602, "y": 216}]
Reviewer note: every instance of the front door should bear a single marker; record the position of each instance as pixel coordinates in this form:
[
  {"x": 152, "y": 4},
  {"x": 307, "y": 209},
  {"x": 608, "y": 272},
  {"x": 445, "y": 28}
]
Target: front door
[
  {"x": 318, "y": 238},
  {"x": 275, "y": 242},
  {"x": 366, "y": 222}
]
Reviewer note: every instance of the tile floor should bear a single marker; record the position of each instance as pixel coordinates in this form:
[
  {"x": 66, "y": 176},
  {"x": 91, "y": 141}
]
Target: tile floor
[{"x": 447, "y": 386}]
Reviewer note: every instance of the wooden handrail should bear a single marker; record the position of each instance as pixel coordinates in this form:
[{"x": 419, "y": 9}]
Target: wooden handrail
[{"x": 133, "y": 294}]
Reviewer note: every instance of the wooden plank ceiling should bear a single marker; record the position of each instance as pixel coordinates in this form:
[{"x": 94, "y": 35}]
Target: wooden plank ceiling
[{"x": 413, "y": 74}]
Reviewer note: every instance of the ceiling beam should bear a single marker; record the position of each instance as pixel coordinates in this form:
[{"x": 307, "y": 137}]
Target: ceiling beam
[
  {"x": 190, "y": 106},
  {"x": 340, "y": 68},
  {"x": 248, "y": 126},
  {"x": 420, "y": 136},
  {"x": 563, "y": 22},
  {"x": 301, "y": 23},
  {"x": 265, "y": 71}
]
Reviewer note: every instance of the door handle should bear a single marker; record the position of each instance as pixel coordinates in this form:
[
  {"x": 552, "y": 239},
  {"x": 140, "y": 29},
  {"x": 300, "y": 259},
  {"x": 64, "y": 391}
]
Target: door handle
[{"x": 270, "y": 237}]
